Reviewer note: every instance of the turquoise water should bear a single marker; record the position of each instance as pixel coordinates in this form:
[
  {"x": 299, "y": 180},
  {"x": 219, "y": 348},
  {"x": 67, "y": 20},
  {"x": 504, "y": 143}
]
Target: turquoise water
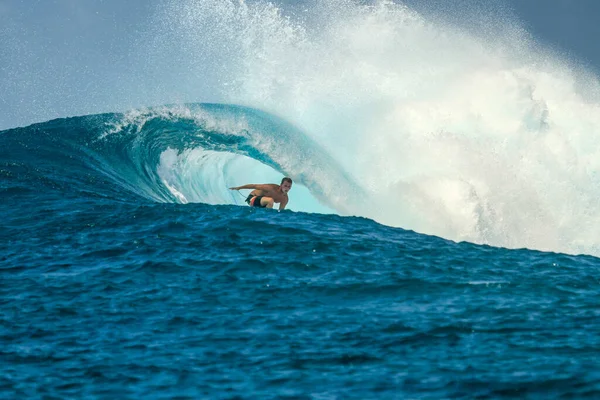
[{"x": 129, "y": 270}]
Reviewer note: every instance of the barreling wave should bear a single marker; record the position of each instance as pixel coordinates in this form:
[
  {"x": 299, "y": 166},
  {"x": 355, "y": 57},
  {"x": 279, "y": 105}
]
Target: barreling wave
[{"x": 188, "y": 153}]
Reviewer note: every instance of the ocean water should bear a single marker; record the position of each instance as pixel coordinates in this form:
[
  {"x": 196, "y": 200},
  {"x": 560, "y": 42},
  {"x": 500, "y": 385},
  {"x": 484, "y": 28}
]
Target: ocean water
[
  {"x": 439, "y": 242},
  {"x": 120, "y": 280}
]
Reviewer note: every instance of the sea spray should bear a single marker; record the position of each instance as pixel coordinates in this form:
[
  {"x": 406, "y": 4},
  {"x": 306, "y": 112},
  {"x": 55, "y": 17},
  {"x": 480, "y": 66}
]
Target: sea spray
[{"x": 471, "y": 135}]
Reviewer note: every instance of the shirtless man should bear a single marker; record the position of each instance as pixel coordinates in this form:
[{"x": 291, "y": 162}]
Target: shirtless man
[{"x": 265, "y": 195}]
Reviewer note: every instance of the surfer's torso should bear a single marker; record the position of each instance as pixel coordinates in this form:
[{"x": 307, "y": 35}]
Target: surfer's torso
[{"x": 270, "y": 190}]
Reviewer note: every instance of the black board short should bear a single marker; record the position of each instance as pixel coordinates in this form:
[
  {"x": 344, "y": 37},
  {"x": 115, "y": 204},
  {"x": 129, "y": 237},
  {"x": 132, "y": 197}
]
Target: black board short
[{"x": 254, "y": 201}]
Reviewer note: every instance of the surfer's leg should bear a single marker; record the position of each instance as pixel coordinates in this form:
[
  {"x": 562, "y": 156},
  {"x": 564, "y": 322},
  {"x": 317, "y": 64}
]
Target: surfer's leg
[{"x": 266, "y": 202}]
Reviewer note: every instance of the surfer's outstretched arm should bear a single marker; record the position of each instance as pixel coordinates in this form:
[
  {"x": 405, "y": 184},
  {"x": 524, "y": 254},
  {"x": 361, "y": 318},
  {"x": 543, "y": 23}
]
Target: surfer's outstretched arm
[{"x": 250, "y": 186}]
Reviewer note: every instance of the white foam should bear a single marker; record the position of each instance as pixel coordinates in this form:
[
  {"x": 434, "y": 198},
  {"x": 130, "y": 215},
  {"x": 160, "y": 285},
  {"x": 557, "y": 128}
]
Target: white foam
[{"x": 137, "y": 118}]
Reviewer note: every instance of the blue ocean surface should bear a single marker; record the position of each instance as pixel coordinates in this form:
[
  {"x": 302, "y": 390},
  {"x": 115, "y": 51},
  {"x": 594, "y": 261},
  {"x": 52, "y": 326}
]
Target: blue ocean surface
[{"x": 130, "y": 271}]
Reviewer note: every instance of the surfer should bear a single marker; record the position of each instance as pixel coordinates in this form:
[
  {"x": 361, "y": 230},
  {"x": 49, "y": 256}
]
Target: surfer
[{"x": 265, "y": 195}]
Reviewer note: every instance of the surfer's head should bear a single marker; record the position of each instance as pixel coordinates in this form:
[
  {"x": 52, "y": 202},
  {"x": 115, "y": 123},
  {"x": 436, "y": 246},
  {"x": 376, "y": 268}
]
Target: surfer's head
[{"x": 286, "y": 184}]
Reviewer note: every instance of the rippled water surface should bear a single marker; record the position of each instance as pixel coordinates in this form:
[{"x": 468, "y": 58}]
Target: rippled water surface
[
  {"x": 113, "y": 288},
  {"x": 189, "y": 301}
]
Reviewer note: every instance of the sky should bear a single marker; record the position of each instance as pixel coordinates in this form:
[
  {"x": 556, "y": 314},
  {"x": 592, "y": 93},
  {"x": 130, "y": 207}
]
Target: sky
[
  {"x": 569, "y": 25},
  {"x": 58, "y": 57}
]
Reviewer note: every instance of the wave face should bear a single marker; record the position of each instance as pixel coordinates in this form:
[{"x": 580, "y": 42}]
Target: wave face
[
  {"x": 180, "y": 154},
  {"x": 469, "y": 133}
]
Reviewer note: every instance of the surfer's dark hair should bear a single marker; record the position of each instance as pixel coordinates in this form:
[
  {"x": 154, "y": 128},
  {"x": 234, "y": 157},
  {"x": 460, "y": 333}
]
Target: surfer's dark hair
[{"x": 286, "y": 179}]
